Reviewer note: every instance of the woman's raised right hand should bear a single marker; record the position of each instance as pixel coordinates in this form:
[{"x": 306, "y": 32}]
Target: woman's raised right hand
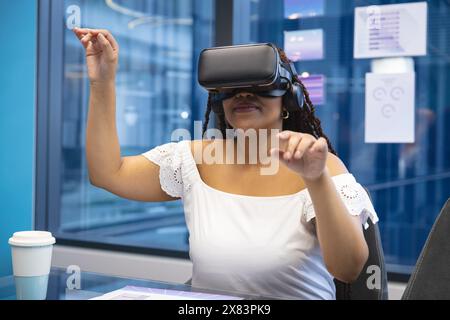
[{"x": 102, "y": 54}]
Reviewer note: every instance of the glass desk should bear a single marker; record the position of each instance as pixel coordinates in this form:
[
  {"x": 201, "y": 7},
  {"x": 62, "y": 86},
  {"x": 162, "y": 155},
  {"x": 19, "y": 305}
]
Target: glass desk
[{"x": 94, "y": 285}]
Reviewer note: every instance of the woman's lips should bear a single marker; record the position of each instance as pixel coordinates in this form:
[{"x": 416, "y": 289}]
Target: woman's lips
[{"x": 245, "y": 108}]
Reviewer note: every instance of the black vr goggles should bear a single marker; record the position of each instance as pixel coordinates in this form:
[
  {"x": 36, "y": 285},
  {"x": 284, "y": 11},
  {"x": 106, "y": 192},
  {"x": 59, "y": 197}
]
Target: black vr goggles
[{"x": 255, "y": 68}]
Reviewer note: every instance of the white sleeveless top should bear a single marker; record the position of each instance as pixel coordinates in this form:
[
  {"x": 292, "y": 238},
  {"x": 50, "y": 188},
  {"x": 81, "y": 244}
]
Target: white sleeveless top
[{"x": 258, "y": 245}]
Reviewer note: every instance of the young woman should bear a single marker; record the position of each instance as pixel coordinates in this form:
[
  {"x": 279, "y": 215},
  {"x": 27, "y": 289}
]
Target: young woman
[{"x": 285, "y": 235}]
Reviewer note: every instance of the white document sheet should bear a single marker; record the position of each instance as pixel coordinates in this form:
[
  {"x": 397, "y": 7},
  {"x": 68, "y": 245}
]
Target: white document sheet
[
  {"x": 138, "y": 293},
  {"x": 390, "y": 108},
  {"x": 391, "y": 30}
]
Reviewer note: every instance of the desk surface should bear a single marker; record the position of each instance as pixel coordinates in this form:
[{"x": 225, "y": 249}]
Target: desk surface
[{"x": 94, "y": 285}]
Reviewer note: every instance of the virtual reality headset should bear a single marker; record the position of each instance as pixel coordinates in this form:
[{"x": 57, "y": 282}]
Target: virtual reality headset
[{"x": 255, "y": 68}]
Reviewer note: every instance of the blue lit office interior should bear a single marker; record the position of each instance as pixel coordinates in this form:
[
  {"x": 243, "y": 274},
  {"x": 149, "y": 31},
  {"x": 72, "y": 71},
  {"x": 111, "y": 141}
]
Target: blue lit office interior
[{"x": 43, "y": 118}]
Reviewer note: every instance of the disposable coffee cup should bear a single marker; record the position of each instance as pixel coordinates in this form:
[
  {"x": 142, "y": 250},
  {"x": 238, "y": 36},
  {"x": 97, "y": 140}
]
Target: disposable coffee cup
[{"x": 31, "y": 258}]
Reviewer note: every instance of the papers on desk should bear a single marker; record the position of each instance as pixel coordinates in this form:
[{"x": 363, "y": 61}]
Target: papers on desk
[{"x": 138, "y": 293}]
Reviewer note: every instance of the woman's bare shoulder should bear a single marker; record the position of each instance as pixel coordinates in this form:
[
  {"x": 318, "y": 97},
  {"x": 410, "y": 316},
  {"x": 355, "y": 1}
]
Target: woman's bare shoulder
[
  {"x": 205, "y": 142},
  {"x": 197, "y": 147},
  {"x": 335, "y": 165}
]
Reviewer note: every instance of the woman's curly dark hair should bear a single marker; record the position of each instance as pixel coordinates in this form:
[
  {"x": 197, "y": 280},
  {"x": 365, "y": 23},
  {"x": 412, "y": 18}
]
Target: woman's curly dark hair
[{"x": 303, "y": 121}]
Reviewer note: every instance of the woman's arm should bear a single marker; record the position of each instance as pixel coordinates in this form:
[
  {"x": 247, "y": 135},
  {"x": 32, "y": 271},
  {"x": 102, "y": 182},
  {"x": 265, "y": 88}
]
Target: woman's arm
[
  {"x": 340, "y": 234},
  {"x": 133, "y": 178}
]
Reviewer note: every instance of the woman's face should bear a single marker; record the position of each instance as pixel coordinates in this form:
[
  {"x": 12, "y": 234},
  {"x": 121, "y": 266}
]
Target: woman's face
[{"x": 249, "y": 111}]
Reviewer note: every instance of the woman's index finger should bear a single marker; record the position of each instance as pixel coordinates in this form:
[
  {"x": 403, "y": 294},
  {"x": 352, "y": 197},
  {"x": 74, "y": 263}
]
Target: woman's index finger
[
  {"x": 107, "y": 35},
  {"x": 80, "y": 33}
]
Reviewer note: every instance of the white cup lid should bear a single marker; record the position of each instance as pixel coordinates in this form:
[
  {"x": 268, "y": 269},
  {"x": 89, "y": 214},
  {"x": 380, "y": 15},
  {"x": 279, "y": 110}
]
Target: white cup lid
[{"x": 31, "y": 239}]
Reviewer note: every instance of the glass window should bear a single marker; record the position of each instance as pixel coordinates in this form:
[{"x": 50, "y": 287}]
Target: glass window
[
  {"x": 409, "y": 183},
  {"x": 157, "y": 93}
]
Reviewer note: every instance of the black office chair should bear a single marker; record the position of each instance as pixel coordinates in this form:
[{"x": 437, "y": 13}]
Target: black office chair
[
  {"x": 360, "y": 290},
  {"x": 431, "y": 277}
]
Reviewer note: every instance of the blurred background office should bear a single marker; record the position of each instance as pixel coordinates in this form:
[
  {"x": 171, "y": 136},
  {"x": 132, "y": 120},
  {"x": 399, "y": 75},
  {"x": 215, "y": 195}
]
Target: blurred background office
[{"x": 44, "y": 99}]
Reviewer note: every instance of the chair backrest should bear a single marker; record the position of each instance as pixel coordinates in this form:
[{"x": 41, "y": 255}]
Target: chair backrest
[
  {"x": 431, "y": 277},
  {"x": 372, "y": 282}
]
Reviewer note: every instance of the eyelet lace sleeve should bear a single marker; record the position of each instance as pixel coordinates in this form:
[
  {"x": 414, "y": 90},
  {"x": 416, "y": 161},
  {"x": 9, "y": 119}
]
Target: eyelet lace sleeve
[
  {"x": 354, "y": 197},
  {"x": 168, "y": 158}
]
